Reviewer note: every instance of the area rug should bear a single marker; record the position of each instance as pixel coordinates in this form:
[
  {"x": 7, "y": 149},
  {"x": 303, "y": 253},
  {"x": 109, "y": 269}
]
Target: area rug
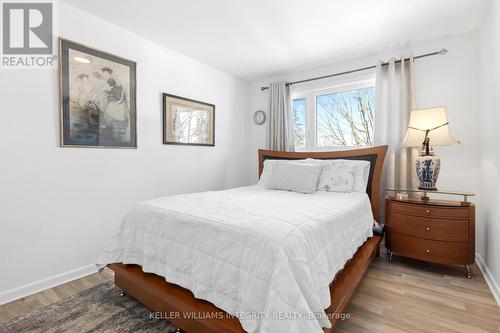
[{"x": 97, "y": 309}]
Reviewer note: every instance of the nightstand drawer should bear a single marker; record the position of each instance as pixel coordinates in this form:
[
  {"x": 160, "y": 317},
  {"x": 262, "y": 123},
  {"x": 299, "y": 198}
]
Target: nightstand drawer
[
  {"x": 427, "y": 210},
  {"x": 429, "y": 250},
  {"x": 454, "y": 230}
]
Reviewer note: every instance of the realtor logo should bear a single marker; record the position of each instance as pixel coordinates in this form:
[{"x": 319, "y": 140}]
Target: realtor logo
[
  {"x": 27, "y": 34},
  {"x": 27, "y": 28}
]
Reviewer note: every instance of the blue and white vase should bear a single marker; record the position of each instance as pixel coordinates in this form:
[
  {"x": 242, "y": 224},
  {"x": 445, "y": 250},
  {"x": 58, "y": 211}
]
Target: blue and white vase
[{"x": 428, "y": 171}]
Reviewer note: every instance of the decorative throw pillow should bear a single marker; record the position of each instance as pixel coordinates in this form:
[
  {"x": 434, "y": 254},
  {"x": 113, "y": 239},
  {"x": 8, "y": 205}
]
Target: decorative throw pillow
[
  {"x": 361, "y": 174},
  {"x": 336, "y": 177},
  {"x": 361, "y": 171},
  {"x": 296, "y": 177}
]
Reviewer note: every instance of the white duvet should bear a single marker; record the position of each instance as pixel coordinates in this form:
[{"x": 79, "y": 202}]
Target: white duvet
[{"x": 265, "y": 256}]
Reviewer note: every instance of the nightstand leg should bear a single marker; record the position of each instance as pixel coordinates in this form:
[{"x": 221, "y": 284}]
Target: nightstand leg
[
  {"x": 469, "y": 275},
  {"x": 390, "y": 257}
]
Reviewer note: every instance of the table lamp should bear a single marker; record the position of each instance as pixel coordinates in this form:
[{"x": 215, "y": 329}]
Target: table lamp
[{"x": 428, "y": 127}]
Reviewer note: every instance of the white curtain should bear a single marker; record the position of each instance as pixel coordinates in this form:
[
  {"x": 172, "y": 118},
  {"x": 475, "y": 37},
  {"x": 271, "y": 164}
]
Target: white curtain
[
  {"x": 395, "y": 98},
  {"x": 280, "y": 117}
]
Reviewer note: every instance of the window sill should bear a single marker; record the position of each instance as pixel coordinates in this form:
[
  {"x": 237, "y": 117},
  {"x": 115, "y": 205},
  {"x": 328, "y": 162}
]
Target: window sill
[{"x": 333, "y": 148}]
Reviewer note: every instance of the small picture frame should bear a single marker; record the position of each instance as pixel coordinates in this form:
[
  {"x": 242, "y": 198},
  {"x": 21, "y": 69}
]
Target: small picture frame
[{"x": 187, "y": 121}]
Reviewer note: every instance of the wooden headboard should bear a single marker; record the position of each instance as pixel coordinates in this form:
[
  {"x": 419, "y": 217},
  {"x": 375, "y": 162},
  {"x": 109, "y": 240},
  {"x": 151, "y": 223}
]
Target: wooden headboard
[{"x": 375, "y": 155}]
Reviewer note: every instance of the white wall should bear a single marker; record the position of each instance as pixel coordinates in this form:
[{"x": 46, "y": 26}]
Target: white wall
[
  {"x": 59, "y": 206},
  {"x": 490, "y": 149}
]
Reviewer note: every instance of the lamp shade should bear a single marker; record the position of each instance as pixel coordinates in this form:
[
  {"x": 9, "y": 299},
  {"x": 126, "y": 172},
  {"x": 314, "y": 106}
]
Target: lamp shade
[{"x": 433, "y": 119}]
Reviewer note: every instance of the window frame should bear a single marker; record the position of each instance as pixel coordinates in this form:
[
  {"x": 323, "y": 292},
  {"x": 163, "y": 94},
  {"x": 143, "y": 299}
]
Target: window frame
[{"x": 310, "y": 95}]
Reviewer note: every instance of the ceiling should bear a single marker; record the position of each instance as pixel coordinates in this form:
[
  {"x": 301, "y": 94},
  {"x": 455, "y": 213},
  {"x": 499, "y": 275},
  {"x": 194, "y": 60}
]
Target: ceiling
[{"x": 255, "y": 39}]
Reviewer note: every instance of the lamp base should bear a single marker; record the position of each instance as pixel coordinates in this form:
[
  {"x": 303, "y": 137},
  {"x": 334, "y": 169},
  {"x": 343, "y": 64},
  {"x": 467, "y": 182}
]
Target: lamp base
[
  {"x": 427, "y": 188},
  {"x": 428, "y": 171}
]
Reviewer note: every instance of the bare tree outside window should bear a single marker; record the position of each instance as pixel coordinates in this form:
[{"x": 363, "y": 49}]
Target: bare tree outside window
[
  {"x": 299, "y": 122},
  {"x": 345, "y": 118}
]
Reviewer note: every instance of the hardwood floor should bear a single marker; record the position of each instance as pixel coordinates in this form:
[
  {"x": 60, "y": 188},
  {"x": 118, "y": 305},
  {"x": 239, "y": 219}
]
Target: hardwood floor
[
  {"x": 25, "y": 305},
  {"x": 413, "y": 296},
  {"x": 405, "y": 296}
]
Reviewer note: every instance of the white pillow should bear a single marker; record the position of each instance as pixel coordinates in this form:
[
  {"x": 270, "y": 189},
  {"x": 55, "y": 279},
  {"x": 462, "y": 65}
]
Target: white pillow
[
  {"x": 296, "y": 177},
  {"x": 361, "y": 171},
  {"x": 336, "y": 177},
  {"x": 361, "y": 174},
  {"x": 266, "y": 172},
  {"x": 268, "y": 169}
]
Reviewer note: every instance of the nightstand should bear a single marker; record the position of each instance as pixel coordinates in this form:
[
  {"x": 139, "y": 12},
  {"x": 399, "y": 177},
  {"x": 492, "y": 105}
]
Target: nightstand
[{"x": 437, "y": 231}]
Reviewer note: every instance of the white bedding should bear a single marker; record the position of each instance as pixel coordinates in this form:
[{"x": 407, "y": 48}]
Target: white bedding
[{"x": 266, "y": 256}]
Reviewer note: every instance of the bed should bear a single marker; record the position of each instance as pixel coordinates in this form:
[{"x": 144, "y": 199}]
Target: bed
[{"x": 274, "y": 260}]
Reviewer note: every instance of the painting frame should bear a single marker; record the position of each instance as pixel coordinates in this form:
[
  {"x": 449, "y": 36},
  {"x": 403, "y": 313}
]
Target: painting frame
[
  {"x": 167, "y": 124},
  {"x": 64, "y": 94}
]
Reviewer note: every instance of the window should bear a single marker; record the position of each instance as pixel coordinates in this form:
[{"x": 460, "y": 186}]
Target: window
[
  {"x": 299, "y": 122},
  {"x": 340, "y": 116},
  {"x": 345, "y": 118}
]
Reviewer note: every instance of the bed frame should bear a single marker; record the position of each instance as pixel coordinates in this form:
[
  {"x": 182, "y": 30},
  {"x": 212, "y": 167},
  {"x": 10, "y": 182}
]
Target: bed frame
[{"x": 171, "y": 301}]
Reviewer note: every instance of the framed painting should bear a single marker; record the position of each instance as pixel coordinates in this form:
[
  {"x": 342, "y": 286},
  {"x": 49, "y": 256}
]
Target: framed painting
[
  {"x": 188, "y": 122},
  {"x": 97, "y": 98}
]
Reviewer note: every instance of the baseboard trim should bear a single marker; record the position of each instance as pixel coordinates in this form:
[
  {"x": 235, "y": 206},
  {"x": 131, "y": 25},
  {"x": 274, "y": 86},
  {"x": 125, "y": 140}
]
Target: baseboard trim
[
  {"x": 53, "y": 281},
  {"x": 492, "y": 283},
  {"x": 56, "y": 280}
]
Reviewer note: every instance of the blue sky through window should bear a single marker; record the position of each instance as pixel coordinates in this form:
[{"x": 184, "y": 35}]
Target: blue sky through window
[{"x": 345, "y": 118}]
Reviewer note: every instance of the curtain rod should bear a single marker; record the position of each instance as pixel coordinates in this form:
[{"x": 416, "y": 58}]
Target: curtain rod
[{"x": 442, "y": 52}]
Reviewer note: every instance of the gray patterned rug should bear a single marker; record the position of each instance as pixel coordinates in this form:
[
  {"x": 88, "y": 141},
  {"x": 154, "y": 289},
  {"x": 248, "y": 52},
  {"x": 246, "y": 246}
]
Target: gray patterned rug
[{"x": 98, "y": 309}]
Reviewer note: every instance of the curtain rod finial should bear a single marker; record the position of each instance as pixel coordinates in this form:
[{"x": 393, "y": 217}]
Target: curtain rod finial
[{"x": 443, "y": 51}]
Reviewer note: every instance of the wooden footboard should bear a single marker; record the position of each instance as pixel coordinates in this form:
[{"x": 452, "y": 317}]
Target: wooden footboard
[
  {"x": 173, "y": 302},
  {"x": 180, "y": 307},
  {"x": 344, "y": 286}
]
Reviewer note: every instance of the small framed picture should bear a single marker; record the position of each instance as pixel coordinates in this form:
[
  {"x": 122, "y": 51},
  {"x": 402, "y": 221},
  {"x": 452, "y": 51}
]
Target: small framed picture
[
  {"x": 97, "y": 98},
  {"x": 188, "y": 122}
]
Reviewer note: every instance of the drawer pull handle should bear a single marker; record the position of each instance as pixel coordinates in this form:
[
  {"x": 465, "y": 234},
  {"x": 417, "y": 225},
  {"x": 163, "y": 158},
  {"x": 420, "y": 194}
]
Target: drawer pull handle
[
  {"x": 427, "y": 228},
  {"x": 428, "y": 211},
  {"x": 428, "y": 251}
]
